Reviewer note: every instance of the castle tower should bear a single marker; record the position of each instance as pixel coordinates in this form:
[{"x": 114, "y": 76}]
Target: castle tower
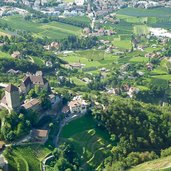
[{"x": 12, "y": 97}]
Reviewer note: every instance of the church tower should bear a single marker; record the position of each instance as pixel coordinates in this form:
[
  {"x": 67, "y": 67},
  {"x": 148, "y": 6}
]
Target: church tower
[{"x": 12, "y": 97}]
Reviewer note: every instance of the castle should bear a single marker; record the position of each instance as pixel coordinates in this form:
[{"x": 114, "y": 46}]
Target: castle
[{"x": 11, "y": 100}]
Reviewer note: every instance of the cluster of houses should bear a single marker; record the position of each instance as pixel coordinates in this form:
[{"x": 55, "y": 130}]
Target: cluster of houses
[
  {"x": 7, "y": 11},
  {"x": 106, "y": 7},
  {"x": 129, "y": 90},
  {"x": 147, "y": 4},
  {"x": 52, "y": 46},
  {"x": 98, "y": 32}
]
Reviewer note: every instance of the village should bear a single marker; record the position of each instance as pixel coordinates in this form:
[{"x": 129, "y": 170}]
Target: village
[{"x": 71, "y": 75}]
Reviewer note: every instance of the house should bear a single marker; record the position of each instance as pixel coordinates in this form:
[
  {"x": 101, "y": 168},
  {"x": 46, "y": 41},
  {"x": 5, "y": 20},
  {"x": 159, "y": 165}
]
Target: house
[
  {"x": 16, "y": 55},
  {"x": 78, "y": 105},
  {"x": 33, "y": 104},
  {"x": 132, "y": 91},
  {"x": 39, "y": 135},
  {"x": 114, "y": 91},
  {"x": 79, "y": 2},
  {"x": 86, "y": 30},
  {"x": 149, "y": 66},
  {"x": 55, "y": 45}
]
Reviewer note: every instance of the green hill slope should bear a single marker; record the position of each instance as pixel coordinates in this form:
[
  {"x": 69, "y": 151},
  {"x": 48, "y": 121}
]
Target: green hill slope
[{"x": 163, "y": 164}]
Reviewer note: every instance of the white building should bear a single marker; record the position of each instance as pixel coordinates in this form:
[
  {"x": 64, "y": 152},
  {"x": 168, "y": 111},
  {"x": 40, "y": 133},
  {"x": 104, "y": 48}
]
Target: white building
[
  {"x": 78, "y": 105},
  {"x": 79, "y": 2}
]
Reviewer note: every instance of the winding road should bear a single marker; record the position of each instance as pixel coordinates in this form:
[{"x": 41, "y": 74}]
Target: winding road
[{"x": 62, "y": 124}]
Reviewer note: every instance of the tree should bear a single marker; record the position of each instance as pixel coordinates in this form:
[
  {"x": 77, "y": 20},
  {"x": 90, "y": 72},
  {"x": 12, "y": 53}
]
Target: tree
[{"x": 45, "y": 102}]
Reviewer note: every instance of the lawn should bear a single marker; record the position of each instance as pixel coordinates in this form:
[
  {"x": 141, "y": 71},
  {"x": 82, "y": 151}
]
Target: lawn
[
  {"x": 91, "y": 142},
  {"x": 155, "y": 165},
  {"x": 52, "y": 30},
  {"x": 26, "y": 158}
]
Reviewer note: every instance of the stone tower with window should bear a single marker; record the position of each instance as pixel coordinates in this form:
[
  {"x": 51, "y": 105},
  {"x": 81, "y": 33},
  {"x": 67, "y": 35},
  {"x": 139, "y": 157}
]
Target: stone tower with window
[{"x": 12, "y": 97}]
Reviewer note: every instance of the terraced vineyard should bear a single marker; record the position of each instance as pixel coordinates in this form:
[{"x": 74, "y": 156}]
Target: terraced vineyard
[
  {"x": 91, "y": 143},
  {"x": 26, "y": 158}
]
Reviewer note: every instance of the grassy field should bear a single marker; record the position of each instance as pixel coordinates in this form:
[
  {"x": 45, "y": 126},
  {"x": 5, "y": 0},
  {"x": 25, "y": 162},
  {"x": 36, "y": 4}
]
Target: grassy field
[
  {"x": 26, "y": 158},
  {"x": 91, "y": 142},
  {"x": 52, "y": 30},
  {"x": 155, "y": 165}
]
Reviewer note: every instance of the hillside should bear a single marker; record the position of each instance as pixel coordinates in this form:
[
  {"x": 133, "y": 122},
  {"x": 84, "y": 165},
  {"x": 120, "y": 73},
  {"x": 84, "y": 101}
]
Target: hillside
[{"x": 163, "y": 164}]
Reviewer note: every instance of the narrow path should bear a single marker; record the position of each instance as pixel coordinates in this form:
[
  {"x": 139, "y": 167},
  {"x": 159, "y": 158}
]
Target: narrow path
[{"x": 62, "y": 124}]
